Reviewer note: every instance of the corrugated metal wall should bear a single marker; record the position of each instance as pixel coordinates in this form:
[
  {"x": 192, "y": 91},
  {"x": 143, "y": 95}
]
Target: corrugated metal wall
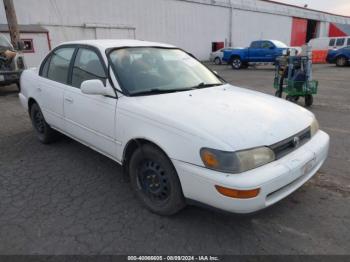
[
  {"x": 248, "y": 26},
  {"x": 189, "y": 24}
]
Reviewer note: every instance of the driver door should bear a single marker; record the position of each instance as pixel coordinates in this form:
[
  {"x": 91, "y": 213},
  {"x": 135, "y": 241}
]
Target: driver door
[{"x": 90, "y": 118}]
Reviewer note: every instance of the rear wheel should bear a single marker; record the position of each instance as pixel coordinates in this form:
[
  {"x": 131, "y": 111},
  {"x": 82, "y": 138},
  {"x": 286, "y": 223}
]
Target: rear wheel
[
  {"x": 43, "y": 131},
  {"x": 236, "y": 63},
  {"x": 155, "y": 181},
  {"x": 278, "y": 94},
  {"x": 341, "y": 61}
]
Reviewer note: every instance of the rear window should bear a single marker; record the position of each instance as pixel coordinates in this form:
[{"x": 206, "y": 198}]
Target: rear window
[{"x": 340, "y": 42}]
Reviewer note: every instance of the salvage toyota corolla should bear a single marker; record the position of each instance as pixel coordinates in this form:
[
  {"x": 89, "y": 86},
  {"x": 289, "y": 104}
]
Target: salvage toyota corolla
[{"x": 180, "y": 131}]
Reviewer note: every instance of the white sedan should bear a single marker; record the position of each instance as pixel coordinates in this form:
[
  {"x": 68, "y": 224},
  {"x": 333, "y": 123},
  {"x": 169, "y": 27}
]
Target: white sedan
[{"x": 180, "y": 131}]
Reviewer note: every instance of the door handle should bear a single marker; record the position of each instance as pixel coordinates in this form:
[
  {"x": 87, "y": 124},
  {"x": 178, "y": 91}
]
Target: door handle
[{"x": 69, "y": 100}]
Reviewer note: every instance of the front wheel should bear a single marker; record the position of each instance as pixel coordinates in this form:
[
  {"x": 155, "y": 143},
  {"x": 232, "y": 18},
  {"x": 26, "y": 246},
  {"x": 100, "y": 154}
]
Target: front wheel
[
  {"x": 155, "y": 181},
  {"x": 43, "y": 131},
  {"x": 278, "y": 93}
]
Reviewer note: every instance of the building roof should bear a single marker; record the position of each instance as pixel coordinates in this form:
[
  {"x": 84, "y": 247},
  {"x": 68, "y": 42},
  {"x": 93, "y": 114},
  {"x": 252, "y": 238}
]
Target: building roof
[
  {"x": 115, "y": 43},
  {"x": 304, "y": 8},
  {"x": 25, "y": 28}
]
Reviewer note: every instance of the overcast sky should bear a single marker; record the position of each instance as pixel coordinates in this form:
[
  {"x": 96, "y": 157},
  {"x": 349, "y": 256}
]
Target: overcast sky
[{"x": 341, "y": 7}]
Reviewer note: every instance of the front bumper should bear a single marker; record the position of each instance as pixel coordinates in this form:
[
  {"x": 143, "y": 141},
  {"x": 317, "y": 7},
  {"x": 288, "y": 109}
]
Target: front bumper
[{"x": 276, "y": 180}]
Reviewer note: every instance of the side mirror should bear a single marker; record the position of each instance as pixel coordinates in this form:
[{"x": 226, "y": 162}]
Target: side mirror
[
  {"x": 95, "y": 87},
  {"x": 272, "y": 47}
]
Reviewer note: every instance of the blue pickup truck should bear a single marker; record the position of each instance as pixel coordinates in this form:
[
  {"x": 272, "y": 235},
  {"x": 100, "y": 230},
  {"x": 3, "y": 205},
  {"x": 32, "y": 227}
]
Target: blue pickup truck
[
  {"x": 259, "y": 51},
  {"x": 340, "y": 57}
]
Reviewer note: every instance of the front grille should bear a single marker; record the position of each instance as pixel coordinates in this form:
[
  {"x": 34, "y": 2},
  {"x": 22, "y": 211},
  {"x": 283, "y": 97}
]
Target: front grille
[{"x": 290, "y": 144}]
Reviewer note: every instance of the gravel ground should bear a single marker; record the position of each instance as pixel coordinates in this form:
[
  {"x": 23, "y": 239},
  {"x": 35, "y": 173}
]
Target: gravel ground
[{"x": 67, "y": 199}]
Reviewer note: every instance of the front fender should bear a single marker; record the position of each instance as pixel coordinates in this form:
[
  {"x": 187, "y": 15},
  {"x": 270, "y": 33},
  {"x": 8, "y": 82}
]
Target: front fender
[{"x": 175, "y": 143}]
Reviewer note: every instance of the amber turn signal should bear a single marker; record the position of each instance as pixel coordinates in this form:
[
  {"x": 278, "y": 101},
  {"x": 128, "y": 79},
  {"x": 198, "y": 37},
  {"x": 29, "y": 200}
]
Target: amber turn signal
[
  {"x": 234, "y": 193},
  {"x": 210, "y": 159}
]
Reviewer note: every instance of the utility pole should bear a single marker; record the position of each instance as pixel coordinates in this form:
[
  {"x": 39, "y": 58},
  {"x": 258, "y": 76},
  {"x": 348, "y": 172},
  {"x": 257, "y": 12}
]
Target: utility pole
[{"x": 12, "y": 24}]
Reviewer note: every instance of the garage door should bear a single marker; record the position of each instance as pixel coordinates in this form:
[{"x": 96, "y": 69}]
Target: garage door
[{"x": 299, "y": 30}]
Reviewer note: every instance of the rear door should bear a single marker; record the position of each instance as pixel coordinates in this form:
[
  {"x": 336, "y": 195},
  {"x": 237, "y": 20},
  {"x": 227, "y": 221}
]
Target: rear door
[
  {"x": 50, "y": 90},
  {"x": 90, "y": 118}
]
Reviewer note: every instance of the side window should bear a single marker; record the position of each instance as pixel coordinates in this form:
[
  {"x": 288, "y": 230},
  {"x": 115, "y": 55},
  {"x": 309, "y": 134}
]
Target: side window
[
  {"x": 59, "y": 64},
  {"x": 340, "y": 42},
  {"x": 87, "y": 66},
  {"x": 45, "y": 67},
  {"x": 267, "y": 45},
  {"x": 256, "y": 44},
  {"x": 332, "y": 42},
  {"x": 348, "y": 43}
]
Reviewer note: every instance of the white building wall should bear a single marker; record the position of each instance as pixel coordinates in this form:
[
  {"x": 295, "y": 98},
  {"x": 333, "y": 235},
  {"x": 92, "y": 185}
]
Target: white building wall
[
  {"x": 248, "y": 26},
  {"x": 190, "y": 26}
]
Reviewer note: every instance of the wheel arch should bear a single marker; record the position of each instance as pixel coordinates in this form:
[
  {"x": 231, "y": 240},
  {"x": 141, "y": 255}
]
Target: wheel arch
[
  {"x": 134, "y": 144},
  {"x": 31, "y": 101}
]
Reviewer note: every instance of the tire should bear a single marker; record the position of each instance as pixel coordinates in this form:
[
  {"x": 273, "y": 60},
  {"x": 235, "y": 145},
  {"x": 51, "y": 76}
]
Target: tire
[
  {"x": 309, "y": 100},
  {"x": 292, "y": 99},
  {"x": 278, "y": 94},
  {"x": 155, "y": 181},
  {"x": 217, "y": 61},
  {"x": 341, "y": 61},
  {"x": 18, "y": 86},
  {"x": 44, "y": 132},
  {"x": 236, "y": 63}
]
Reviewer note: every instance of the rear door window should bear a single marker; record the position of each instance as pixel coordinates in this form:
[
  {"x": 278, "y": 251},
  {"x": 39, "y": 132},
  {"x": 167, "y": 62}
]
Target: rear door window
[
  {"x": 256, "y": 44},
  {"x": 59, "y": 64}
]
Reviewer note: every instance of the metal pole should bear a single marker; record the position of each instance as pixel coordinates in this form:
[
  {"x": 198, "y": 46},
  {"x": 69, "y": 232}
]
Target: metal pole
[
  {"x": 12, "y": 23},
  {"x": 230, "y": 25}
]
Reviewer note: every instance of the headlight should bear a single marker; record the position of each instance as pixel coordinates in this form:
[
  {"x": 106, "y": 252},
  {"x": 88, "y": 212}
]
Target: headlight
[
  {"x": 314, "y": 127},
  {"x": 236, "y": 162}
]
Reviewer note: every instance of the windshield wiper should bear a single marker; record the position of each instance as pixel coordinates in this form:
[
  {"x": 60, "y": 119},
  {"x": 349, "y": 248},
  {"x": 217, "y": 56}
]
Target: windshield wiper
[
  {"x": 156, "y": 91},
  {"x": 204, "y": 85}
]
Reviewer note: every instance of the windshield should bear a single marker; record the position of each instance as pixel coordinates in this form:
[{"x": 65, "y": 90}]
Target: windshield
[
  {"x": 4, "y": 42},
  {"x": 142, "y": 70},
  {"x": 279, "y": 44}
]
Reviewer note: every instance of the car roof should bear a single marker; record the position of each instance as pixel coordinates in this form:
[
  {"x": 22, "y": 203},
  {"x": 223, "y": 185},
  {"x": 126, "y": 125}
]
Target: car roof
[{"x": 117, "y": 43}]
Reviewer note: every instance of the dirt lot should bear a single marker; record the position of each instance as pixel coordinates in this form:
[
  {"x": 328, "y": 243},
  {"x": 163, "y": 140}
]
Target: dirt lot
[{"x": 67, "y": 199}]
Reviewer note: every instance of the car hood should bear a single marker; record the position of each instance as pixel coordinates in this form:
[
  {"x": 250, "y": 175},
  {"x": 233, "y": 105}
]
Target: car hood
[{"x": 237, "y": 117}]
